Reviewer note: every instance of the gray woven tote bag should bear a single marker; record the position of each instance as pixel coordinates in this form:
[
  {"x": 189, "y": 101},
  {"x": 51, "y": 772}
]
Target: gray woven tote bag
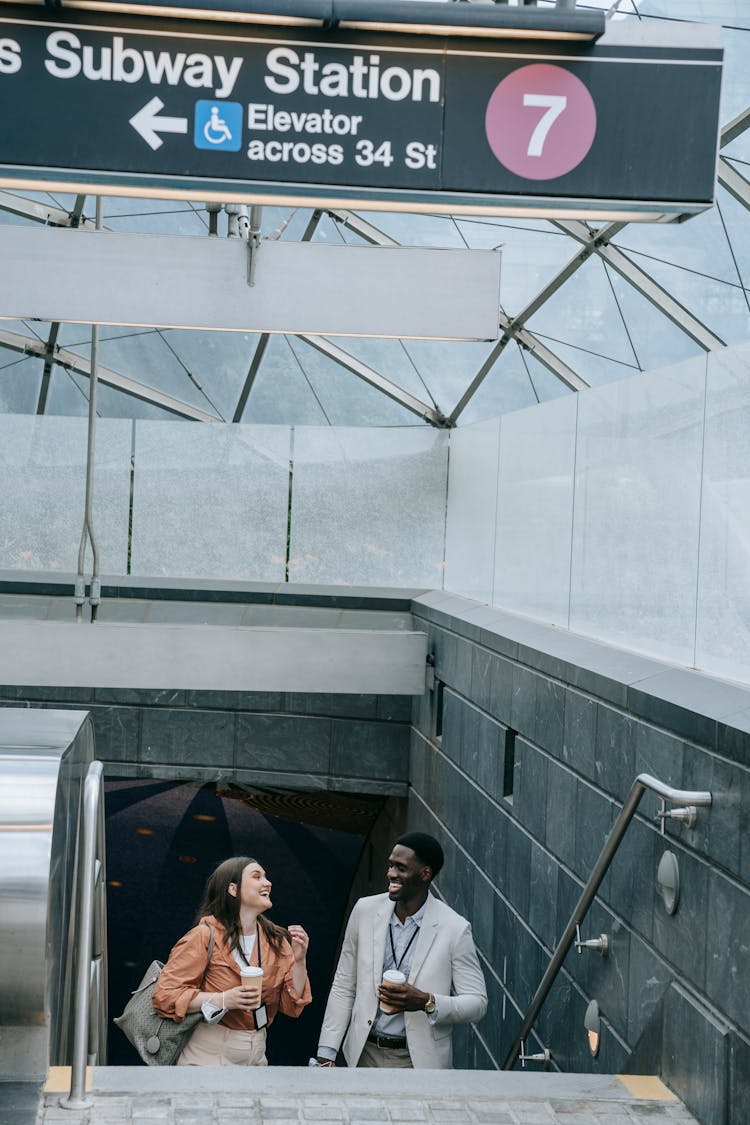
[{"x": 158, "y": 1041}]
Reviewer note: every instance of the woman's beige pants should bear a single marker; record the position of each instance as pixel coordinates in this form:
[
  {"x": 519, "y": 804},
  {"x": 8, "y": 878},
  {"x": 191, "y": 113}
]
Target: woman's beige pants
[{"x": 214, "y": 1045}]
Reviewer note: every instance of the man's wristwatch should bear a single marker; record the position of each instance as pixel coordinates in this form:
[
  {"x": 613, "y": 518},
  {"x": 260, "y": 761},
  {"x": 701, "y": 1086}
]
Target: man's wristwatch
[{"x": 430, "y": 1004}]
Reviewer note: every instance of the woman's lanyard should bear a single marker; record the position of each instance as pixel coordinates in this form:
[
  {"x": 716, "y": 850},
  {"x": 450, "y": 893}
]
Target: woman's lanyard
[
  {"x": 257, "y": 944},
  {"x": 398, "y": 963}
]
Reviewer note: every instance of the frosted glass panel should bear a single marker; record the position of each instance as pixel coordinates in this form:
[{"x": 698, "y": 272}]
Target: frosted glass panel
[
  {"x": 210, "y": 501},
  {"x": 635, "y": 540},
  {"x": 535, "y": 508},
  {"x": 43, "y": 470},
  {"x": 472, "y": 497},
  {"x": 368, "y": 506},
  {"x": 723, "y": 634}
]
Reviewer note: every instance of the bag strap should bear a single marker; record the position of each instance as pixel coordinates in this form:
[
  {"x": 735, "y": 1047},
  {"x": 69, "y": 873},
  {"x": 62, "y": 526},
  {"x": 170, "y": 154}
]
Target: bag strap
[{"x": 210, "y": 951}]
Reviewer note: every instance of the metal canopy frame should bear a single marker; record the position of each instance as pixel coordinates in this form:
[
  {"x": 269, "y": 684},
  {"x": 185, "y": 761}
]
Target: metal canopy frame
[{"x": 592, "y": 241}]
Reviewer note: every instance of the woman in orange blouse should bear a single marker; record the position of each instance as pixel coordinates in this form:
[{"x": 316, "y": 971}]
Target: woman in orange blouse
[{"x": 236, "y": 1011}]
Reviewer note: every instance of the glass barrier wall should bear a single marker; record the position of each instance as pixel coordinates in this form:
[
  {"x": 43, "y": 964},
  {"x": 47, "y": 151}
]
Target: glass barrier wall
[{"x": 619, "y": 513}]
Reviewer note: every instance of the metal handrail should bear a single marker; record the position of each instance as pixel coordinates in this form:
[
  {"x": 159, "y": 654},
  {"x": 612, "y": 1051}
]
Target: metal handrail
[
  {"x": 643, "y": 782},
  {"x": 91, "y": 805}
]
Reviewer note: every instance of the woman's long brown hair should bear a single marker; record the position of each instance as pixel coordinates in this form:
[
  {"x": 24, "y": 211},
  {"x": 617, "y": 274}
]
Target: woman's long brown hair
[{"x": 226, "y": 907}]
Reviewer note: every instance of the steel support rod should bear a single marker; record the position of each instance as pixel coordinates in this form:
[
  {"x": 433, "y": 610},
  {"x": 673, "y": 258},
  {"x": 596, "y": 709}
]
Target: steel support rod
[
  {"x": 91, "y": 804},
  {"x": 643, "y": 782},
  {"x": 87, "y": 531}
]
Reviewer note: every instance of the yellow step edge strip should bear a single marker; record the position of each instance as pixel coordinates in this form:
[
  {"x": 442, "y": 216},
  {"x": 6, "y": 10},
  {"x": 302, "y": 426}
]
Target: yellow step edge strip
[
  {"x": 647, "y": 1086},
  {"x": 58, "y": 1079}
]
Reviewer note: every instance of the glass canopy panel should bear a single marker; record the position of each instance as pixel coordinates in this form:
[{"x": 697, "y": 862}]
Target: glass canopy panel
[
  {"x": 637, "y": 507},
  {"x": 447, "y": 368},
  {"x": 210, "y": 501},
  {"x": 535, "y": 510},
  {"x": 721, "y": 307},
  {"x": 345, "y": 398},
  {"x": 704, "y": 248},
  {"x": 146, "y": 216},
  {"x": 595, "y": 369},
  {"x": 148, "y": 358},
  {"x": 392, "y": 359},
  {"x": 472, "y": 510},
  {"x": 723, "y": 630},
  {"x": 43, "y": 463},
  {"x": 515, "y": 381},
  {"x": 219, "y": 361},
  {"x": 585, "y": 312},
  {"x": 654, "y": 338},
  {"x": 736, "y": 219},
  {"x": 281, "y": 393},
  {"x": 368, "y": 506},
  {"x": 20, "y": 379}
]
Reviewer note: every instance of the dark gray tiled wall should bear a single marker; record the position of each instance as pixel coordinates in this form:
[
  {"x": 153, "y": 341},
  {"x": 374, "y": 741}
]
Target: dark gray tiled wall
[
  {"x": 674, "y": 992},
  {"x": 353, "y": 743}
]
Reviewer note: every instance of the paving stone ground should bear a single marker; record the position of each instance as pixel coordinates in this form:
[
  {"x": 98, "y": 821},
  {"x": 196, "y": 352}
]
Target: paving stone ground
[{"x": 473, "y": 1098}]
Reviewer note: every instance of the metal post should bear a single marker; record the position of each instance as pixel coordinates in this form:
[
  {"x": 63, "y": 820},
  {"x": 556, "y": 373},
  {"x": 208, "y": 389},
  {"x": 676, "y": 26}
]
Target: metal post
[
  {"x": 92, "y": 787},
  {"x": 88, "y": 527}
]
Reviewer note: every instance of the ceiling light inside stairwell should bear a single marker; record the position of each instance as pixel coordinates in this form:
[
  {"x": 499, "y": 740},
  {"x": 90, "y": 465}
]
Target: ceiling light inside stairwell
[{"x": 592, "y": 1023}]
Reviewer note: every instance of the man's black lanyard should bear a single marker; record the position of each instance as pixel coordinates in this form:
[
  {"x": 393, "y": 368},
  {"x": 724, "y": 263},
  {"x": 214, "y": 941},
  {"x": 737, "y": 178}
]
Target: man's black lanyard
[{"x": 398, "y": 963}]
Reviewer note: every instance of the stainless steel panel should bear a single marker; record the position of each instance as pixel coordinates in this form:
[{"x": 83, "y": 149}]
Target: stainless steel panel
[{"x": 44, "y": 755}]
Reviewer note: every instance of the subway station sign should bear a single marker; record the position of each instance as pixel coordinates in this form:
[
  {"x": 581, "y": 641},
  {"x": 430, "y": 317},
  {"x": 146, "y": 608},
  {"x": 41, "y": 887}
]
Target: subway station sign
[{"x": 115, "y": 104}]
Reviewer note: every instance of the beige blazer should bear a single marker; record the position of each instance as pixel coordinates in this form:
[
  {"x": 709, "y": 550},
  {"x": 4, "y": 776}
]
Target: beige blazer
[{"x": 445, "y": 963}]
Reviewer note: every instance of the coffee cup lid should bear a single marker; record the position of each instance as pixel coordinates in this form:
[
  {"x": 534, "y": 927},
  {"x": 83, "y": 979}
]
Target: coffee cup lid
[
  {"x": 251, "y": 971},
  {"x": 394, "y": 976}
]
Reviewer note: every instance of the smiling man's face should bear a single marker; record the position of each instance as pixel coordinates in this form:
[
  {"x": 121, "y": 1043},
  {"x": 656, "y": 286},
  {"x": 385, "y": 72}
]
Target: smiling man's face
[{"x": 408, "y": 876}]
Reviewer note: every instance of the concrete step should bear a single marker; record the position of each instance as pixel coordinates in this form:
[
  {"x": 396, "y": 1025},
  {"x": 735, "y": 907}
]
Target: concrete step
[{"x": 286, "y": 1095}]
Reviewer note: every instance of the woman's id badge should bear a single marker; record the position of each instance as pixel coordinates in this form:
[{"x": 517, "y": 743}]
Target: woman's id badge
[{"x": 260, "y": 1015}]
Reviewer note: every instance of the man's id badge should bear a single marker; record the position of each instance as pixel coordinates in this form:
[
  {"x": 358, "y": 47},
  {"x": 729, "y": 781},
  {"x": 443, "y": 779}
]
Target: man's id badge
[{"x": 260, "y": 1015}]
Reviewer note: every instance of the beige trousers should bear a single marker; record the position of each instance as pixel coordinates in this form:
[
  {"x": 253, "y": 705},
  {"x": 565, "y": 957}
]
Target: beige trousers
[
  {"x": 372, "y": 1055},
  {"x": 214, "y": 1045}
]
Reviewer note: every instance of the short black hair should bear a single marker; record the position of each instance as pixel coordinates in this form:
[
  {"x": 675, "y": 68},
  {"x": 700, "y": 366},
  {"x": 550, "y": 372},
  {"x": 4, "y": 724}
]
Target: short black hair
[{"x": 425, "y": 848}]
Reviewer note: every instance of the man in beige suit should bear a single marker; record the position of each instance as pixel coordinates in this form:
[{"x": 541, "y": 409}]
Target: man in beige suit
[{"x": 410, "y": 930}]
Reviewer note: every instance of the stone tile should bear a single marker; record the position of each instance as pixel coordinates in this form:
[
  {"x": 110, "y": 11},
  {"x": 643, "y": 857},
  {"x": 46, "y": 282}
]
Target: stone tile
[
  {"x": 728, "y": 950},
  {"x": 718, "y": 829},
  {"x": 375, "y": 750},
  {"x": 632, "y": 885},
  {"x": 683, "y": 937},
  {"x": 695, "y": 1056},
  {"x": 579, "y": 733},
  {"x": 614, "y": 760},
  {"x": 660, "y": 754},
  {"x": 269, "y": 701},
  {"x": 407, "y": 1111},
  {"x": 549, "y": 729},
  {"x": 518, "y": 870},
  {"x": 145, "y": 697},
  {"x": 116, "y": 733},
  {"x": 502, "y": 690},
  {"x": 340, "y": 706},
  {"x": 177, "y": 737},
  {"x": 543, "y": 895},
  {"x": 523, "y": 702},
  {"x": 283, "y": 742},
  {"x": 530, "y": 788},
  {"x": 649, "y": 979},
  {"x": 560, "y": 815},
  {"x": 594, "y": 816}
]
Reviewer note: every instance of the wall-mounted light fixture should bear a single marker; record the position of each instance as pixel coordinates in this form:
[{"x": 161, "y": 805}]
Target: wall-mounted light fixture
[
  {"x": 668, "y": 881},
  {"x": 593, "y": 1024}
]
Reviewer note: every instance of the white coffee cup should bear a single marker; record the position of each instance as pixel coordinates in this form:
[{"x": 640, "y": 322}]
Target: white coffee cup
[
  {"x": 391, "y": 976},
  {"x": 252, "y": 974}
]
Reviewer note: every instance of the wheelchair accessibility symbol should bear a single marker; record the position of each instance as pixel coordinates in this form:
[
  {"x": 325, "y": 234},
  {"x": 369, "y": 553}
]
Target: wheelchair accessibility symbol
[{"x": 218, "y": 125}]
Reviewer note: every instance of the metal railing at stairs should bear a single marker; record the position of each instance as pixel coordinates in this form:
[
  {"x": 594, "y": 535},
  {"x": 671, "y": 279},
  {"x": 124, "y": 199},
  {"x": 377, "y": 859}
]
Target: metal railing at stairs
[
  {"x": 689, "y": 800},
  {"x": 92, "y": 884}
]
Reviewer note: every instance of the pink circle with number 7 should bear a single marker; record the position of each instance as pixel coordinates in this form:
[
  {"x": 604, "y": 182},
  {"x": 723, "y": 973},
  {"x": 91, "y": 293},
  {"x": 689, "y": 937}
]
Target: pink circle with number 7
[{"x": 540, "y": 121}]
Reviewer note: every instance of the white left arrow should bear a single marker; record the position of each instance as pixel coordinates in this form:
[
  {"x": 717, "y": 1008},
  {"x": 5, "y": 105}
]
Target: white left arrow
[{"x": 146, "y": 122}]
